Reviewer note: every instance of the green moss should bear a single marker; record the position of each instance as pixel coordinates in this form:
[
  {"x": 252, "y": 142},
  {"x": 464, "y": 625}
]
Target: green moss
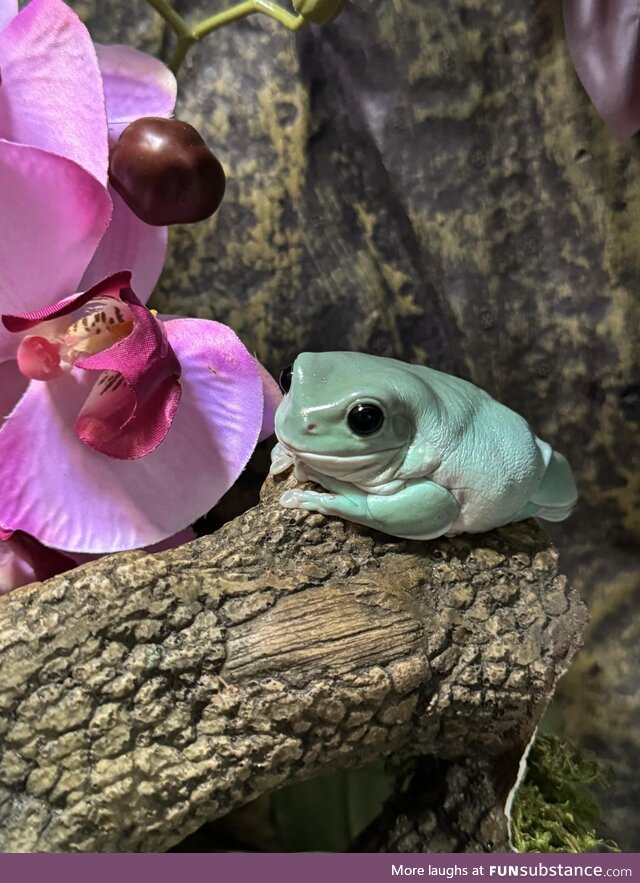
[{"x": 555, "y": 809}]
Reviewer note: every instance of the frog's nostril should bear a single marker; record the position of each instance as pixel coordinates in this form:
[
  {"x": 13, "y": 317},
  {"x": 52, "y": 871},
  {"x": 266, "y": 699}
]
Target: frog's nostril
[{"x": 311, "y": 426}]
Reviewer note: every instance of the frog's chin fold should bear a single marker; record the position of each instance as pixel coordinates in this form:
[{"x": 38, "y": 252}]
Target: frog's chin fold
[{"x": 356, "y": 468}]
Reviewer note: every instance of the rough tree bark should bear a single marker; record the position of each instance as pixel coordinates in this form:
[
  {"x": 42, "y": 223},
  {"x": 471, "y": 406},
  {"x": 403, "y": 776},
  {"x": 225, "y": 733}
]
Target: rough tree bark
[
  {"x": 448, "y": 806},
  {"x": 141, "y": 695}
]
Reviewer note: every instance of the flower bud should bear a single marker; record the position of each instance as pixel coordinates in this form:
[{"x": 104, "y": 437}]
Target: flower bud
[
  {"x": 165, "y": 172},
  {"x": 318, "y": 11}
]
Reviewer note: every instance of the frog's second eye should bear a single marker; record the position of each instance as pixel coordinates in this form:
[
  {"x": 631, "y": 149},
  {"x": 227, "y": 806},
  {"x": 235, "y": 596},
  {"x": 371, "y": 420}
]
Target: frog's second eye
[
  {"x": 284, "y": 380},
  {"x": 365, "y": 419}
]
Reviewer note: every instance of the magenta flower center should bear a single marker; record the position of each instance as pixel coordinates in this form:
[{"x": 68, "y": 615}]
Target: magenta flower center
[
  {"x": 106, "y": 330},
  {"x": 60, "y": 342}
]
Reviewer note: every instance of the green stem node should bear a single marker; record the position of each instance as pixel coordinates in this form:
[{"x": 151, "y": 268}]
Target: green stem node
[{"x": 187, "y": 35}]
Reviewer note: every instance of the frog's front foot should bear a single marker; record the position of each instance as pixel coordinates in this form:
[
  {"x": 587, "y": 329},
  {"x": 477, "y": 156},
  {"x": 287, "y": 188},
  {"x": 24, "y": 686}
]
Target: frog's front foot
[
  {"x": 422, "y": 510},
  {"x": 326, "y": 503}
]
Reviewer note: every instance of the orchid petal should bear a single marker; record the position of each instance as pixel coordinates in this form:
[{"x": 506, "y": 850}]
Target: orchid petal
[
  {"x": 8, "y": 10},
  {"x": 272, "y": 398},
  {"x": 118, "y": 425},
  {"x": 16, "y": 569},
  {"x": 58, "y": 215},
  {"x": 186, "y": 535},
  {"x": 76, "y": 500},
  {"x": 112, "y": 286},
  {"x": 52, "y": 95},
  {"x": 12, "y": 387},
  {"x": 135, "y": 85},
  {"x": 603, "y": 41},
  {"x": 129, "y": 244},
  {"x": 24, "y": 560}
]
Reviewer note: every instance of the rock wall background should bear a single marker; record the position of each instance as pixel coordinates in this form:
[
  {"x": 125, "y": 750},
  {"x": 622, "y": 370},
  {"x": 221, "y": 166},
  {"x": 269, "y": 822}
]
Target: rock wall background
[{"x": 428, "y": 180}]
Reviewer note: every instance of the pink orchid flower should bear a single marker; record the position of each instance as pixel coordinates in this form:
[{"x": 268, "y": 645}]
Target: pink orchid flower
[
  {"x": 62, "y": 229},
  {"x": 62, "y": 100},
  {"x": 119, "y": 429}
]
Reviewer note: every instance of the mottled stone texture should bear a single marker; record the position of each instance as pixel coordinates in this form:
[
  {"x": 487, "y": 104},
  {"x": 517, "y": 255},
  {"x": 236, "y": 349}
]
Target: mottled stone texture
[
  {"x": 429, "y": 180},
  {"x": 141, "y": 695},
  {"x": 133, "y": 23}
]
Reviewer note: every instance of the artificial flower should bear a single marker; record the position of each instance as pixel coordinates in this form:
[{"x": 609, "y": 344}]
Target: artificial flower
[
  {"x": 603, "y": 42},
  {"x": 62, "y": 101},
  {"x": 125, "y": 436},
  {"x": 120, "y": 441}
]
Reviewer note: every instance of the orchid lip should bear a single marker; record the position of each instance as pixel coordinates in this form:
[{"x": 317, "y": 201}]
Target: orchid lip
[
  {"x": 107, "y": 330},
  {"x": 60, "y": 342}
]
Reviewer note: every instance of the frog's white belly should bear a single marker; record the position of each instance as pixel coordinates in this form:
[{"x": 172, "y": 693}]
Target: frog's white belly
[{"x": 493, "y": 482}]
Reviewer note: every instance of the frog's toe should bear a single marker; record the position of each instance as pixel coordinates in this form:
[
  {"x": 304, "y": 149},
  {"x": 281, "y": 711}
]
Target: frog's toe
[
  {"x": 298, "y": 499},
  {"x": 555, "y": 512},
  {"x": 556, "y": 497}
]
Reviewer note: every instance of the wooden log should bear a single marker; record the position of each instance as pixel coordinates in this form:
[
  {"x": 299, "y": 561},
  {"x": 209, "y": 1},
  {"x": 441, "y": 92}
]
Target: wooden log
[
  {"x": 144, "y": 694},
  {"x": 448, "y": 806}
]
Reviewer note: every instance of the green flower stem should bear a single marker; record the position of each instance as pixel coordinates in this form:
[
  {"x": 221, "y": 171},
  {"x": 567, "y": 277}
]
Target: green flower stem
[
  {"x": 188, "y": 35},
  {"x": 242, "y": 10},
  {"x": 172, "y": 18},
  {"x": 180, "y": 52}
]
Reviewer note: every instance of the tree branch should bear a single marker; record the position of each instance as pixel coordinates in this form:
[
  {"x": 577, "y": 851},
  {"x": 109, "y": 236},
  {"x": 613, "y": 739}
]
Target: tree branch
[{"x": 142, "y": 695}]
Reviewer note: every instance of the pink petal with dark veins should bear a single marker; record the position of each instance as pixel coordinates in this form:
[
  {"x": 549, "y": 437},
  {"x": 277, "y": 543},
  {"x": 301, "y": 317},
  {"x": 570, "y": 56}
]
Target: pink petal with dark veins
[{"x": 130, "y": 410}]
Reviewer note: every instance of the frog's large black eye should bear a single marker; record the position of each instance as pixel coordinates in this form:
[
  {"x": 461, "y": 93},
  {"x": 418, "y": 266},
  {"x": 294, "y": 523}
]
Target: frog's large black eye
[
  {"x": 285, "y": 378},
  {"x": 365, "y": 419}
]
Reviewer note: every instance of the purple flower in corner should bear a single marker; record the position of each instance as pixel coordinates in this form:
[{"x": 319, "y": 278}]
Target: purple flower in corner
[
  {"x": 118, "y": 429},
  {"x": 603, "y": 41},
  {"x": 62, "y": 101}
]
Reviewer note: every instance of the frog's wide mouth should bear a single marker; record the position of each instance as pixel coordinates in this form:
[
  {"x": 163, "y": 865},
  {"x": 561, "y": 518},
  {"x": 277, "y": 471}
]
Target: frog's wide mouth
[
  {"x": 341, "y": 465},
  {"x": 302, "y": 453}
]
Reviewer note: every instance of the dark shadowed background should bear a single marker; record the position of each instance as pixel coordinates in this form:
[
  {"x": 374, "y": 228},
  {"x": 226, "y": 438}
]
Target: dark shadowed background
[{"x": 426, "y": 179}]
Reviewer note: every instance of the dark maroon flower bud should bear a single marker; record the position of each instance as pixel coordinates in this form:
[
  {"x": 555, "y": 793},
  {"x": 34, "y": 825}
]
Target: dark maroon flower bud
[{"x": 165, "y": 172}]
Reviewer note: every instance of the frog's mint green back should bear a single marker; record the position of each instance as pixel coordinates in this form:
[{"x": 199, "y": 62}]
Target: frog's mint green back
[{"x": 410, "y": 451}]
